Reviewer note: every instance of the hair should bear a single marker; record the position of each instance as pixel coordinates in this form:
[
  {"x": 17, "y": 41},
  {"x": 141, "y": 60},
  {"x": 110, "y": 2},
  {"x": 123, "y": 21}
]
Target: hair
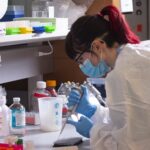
[{"x": 87, "y": 28}]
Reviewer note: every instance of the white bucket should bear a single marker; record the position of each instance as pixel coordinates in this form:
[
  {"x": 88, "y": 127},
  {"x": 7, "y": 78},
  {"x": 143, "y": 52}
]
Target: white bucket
[{"x": 50, "y": 110}]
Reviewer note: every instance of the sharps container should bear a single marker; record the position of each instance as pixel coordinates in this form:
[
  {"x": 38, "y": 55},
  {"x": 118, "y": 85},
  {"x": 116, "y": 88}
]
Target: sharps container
[{"x": 50, "y": 111}]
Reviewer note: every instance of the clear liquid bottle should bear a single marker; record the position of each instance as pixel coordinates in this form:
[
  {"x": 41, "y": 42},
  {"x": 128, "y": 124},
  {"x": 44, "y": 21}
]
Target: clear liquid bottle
[
  {"x": 4, "y": 117},
  {"x": 51, "y": 85},
  {"x": 39, "y": 92},
  {"x": 17, "y": 125}
]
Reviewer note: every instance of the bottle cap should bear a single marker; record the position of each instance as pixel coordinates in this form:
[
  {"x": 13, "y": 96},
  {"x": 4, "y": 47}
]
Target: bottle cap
[
  {"x": 19, "y": 142},
  {"x": 51, "y": 83},
  {"x": 16, "y": 99},
  {"x": 41, "y": 84},
  {"x": 38, "y": 29}
]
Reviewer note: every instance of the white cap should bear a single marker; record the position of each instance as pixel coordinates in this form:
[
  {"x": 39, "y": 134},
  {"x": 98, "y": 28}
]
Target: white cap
[
  {"x": 41, "y": 84},
  {"x": 16, "y": 99}
]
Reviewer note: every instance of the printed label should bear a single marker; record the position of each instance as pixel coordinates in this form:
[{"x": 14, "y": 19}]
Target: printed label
[
  {"x": 18, "y": 118},
  {"x": 1, "y": 121}
]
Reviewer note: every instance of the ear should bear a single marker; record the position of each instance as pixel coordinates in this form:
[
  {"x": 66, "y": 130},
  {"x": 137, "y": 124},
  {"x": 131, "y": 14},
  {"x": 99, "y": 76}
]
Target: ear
[{"x": 98, "y": 45}]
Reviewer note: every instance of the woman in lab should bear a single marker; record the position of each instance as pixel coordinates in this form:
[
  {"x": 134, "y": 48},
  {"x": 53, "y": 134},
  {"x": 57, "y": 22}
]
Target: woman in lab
[{"x": 104, "y": 44}]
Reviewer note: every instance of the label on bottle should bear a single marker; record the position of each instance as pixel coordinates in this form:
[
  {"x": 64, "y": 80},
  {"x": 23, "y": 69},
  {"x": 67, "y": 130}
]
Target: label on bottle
[
  {"x": 1, "y": 121},
  {"x": 18, "y": 118}
]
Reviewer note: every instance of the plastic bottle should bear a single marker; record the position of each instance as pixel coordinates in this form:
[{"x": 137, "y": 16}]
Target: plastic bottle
[
  {"x": 4, "y": 117},
  {"x": 40, "y": 8},
  {"x": 51, "y": 85},
  {"x": 39, "y": 92},
  {"x": 17, "y": 125}
]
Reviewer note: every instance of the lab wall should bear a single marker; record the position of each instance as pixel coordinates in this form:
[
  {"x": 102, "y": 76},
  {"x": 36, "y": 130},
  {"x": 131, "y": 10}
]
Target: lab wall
[{"x": 64, "y": 68}]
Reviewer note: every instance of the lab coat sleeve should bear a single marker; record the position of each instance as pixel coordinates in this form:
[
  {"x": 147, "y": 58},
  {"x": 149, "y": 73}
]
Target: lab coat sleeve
[
  {"x": 101, "y": 138},
  {"x": 101, "y": 115}
]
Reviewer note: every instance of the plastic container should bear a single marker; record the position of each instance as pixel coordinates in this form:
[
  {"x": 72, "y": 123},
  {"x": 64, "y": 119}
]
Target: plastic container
[
  {"x": 65, "y": 107},
  {"x": 50, "y": 111},
  {"x": 38, "y": 29},
  {"x": 49, "y": 28},
  {"x": 12, "y": 31},
  {"x": 51, "y": 85},
  {"x": 26, "y": 30},
  {"x": 41, "y": 8},
  {"x": 4, "y": 117},
  {"x": 13, "y": 11},
  {"x": 39, "y": 92},
  {"x": 17, "y": 117}
]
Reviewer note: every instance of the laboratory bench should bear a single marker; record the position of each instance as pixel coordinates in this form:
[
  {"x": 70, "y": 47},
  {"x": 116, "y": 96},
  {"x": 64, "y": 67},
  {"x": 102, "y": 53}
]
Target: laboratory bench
[{"x": 44, "y": 140}]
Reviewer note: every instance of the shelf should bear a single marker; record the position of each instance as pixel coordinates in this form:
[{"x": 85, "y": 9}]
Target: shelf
[{"x": 9, "y": 40}]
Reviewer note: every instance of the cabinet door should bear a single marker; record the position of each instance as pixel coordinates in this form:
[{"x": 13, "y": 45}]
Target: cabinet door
[{"x": 24, "y": 61}]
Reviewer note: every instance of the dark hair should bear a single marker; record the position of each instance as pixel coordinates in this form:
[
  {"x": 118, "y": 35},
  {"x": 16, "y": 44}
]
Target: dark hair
[{"x": 87, "y": 28}]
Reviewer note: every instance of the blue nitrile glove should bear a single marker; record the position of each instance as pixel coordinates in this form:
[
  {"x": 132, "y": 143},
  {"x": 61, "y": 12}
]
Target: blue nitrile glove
[
  {"x": 83, "y": 126},
  {"x": 84, "y": 105}
]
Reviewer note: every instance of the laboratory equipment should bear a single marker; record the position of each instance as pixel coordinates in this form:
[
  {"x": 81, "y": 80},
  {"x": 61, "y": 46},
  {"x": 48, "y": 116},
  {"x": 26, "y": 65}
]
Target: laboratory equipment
[
  {"x": 25, "y": 30},
  {"x": 13, "y": 11},
  {"x": 68, "y": 142},
  {"x": 50, "y": 111},
  {"x": 51, "y": 85},
  {"x": 17, "y": 117},
  {"x": 65, "y": 88},
  {"x": 3, "y": 7},
  {"x": 4, "y": 117},
  {"x": 39, "y": 92},
  {"x": 42, "y": 8},
  {"x": 12, "y": 31},
  {"x": 95, "y": 92},
  {"x": 71, "y": 110}
]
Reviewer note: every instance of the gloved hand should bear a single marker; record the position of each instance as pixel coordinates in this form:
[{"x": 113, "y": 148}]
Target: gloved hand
[
  {"x": 84, "y": 105},
  {"x": 83, "y": 126}
]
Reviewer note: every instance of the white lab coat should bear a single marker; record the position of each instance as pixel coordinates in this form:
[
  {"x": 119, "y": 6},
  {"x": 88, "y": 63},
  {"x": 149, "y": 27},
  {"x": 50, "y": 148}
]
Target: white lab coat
[{"x": 128, "y": 100}]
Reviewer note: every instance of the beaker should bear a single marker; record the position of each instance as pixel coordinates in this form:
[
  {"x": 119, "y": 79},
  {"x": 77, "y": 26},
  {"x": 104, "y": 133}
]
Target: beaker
[{"x": 50, "y": 111}]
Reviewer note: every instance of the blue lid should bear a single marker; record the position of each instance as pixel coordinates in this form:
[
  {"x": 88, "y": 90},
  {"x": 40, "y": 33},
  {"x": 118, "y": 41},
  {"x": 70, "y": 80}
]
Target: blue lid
[{"x": 39, "y": 29}]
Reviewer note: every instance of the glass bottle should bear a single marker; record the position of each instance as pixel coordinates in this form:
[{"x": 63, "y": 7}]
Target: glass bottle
[{"x": 17, "y": 125}]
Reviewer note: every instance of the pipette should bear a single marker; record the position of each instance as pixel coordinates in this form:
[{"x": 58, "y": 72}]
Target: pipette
[
  {"x": 71, "y": 110},
  {"x": 67, "y": 117},
  {"x": 95, "y": 92}
]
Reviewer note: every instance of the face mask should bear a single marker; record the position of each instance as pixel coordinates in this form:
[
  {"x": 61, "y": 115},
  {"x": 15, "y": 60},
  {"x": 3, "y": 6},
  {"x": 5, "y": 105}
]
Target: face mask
[{"x": 94, "y": 71}]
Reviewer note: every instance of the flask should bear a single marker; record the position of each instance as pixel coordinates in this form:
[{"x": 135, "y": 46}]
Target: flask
[
  {"x": 4, "y": 117},
  {"x": 51, "y": 85},
  {"x": 39, "y": 92},
  {"x": 17, "y": 125}
]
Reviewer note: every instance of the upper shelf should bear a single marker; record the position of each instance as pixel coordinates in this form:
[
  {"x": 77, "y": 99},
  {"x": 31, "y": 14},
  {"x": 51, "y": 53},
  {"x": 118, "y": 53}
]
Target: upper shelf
[{"x": 9, "y": 40}]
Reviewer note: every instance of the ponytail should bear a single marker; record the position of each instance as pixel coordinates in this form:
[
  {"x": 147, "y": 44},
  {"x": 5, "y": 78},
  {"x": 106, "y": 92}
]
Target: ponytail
[{"x": 119, "y": 26}]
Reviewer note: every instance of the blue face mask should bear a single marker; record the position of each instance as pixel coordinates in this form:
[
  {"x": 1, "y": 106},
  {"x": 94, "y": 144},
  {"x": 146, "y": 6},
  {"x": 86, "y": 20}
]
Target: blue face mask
[{"x": 94, "y": 71}]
